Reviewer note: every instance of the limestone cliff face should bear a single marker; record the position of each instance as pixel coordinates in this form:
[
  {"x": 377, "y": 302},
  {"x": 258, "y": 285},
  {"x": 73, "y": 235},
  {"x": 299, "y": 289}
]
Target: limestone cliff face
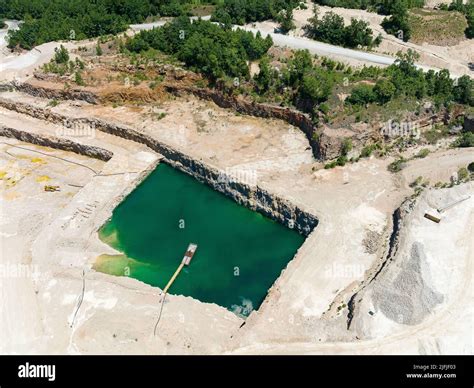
[
  {"x": 291, "y": 116},
  {"x": 324, "y": 145},
  {"x": 55, "y": 142},
  {"x": 252, "y": 197}
]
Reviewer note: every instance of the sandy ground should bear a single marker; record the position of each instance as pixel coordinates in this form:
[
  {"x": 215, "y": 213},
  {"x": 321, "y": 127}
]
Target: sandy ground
[
  {"x": 455, "y": 58},
  {"x": 305, "y": 309}
]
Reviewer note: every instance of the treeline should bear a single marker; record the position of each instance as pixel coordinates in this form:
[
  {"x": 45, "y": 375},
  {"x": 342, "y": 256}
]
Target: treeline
[
  {"x": 384, "y": 7},
  {"x": 396, "y": 24},
  {"x": 203, "y": 46},
  {"x": 49, "y": 20},
  {"x": 249, "y": 11},
  {"x": 403, "y": 79},
  {"x": 331, "y": 29},
  {"x": 467, "y": 9}
]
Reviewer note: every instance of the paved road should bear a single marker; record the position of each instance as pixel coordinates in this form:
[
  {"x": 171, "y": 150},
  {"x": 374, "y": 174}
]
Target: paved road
[
  {"x": 30, "y": 58},
  {"x": 312, "y": 46}
]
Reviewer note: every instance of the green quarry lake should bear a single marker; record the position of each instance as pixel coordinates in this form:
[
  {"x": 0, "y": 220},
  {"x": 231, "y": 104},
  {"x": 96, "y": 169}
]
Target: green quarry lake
[{"x": 240, "y": 252}]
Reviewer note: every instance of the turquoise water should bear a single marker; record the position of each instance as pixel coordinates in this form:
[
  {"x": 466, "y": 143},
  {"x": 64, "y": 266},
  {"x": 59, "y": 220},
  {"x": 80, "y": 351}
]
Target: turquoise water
[{"x": 240, "y": 252}]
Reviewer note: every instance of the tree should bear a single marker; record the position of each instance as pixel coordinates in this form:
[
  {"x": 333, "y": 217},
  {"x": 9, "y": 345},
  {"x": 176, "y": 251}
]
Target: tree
[
  {"x": 61, "y": 55},
  {"x": 443, "y": 86},
  {"x": 331, "y": 29},
  {"x": 384, "y": 91},
  {"x": 316, "y": 86},
  {"x": 358, "y": 33},
  {"x": 264, "y": 77},
  {"x": 300, "y": 64},
  {"x": 78, "y": 78},
  {"x": 463, "y": 92},
  {"x": 46, "y": 20},
  {"x": 469, "y": 12},
  {"x": 285, "y": 18},
  {"x": 204, "y": 46},
  {"x": 361, "y": 95},
  {"x": 398, "y": 23},
  {"x": 470, "y": 167}
]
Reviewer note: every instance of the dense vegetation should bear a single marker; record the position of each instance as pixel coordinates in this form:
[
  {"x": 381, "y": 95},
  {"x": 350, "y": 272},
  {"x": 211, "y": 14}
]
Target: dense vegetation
[
  {"x": 249, "y": 11},
  {"x": 384, "y": 7},
  {"x": 331, "y": 29},
  {"x": 48, "y": 20},
  {"x": 398, "y": 23},
  {"x": 403, "y": 79},
  {"x": 204, "y": 47}
]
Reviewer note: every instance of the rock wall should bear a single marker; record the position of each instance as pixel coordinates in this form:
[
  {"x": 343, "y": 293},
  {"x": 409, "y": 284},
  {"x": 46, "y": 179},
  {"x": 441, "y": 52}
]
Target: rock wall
[
  {"x": 54, "y": 142},
  {"x": 324, "y": 146},
  {"x": 252, "y": 197},
  {"x": 59, "y": 94},
  {"x": 291, "y": 116}
]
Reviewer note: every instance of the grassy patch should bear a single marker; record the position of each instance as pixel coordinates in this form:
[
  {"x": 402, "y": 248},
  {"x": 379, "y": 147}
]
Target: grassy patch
[
  {"x": 437, "y": 133},
  {"x": 437, "y": 27},
  {"x": 202, "y": 10}
]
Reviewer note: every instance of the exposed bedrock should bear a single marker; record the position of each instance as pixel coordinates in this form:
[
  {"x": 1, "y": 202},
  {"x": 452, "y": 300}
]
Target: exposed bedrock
[
  {"x": 52, "y": 93},
  {"x": 55, "y": 142},
  {"x": 252, "y": 197},
  {"x": 291, "y": 116},
  {"x": 325, "y": 144}
]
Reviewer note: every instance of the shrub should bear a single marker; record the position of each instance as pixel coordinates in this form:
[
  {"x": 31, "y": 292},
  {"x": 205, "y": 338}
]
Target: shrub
[
  {"x": 463, "y": 174},
  {"x": 384, "y": 91},
  {"x": 346, "y": 146},
  {"x": 397, "y": 165},
  {"x": 465, "y": 140},
  {"x": 423, "y": 153},
  {"x": 361, "y": 95},
  {"x": 78, "y": 79}
]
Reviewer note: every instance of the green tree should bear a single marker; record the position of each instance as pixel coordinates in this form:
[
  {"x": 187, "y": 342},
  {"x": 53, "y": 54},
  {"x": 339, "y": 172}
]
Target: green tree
[
  {"x": 361, "y": 95},
  {"x": 331, "y": 29},
  {"x": 264, "y": 77},
  {"x": 300, "y": 64},
  {"x": 358, "y": 33},
  {"x": 285, "y": 18},
  {"x": 61, "y": 55},
  {"x": 316, "y": 86},
  {"x": 384, "y": 91},
  {"x": 463, "y": 92},
  {"x": 398, "y": 23}
]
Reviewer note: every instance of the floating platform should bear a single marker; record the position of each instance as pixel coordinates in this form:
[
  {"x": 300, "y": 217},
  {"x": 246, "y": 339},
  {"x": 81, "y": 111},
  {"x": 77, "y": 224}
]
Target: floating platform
[
  {"x": 189, "y": 254},
  {"x": 186, "y": 260}
]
